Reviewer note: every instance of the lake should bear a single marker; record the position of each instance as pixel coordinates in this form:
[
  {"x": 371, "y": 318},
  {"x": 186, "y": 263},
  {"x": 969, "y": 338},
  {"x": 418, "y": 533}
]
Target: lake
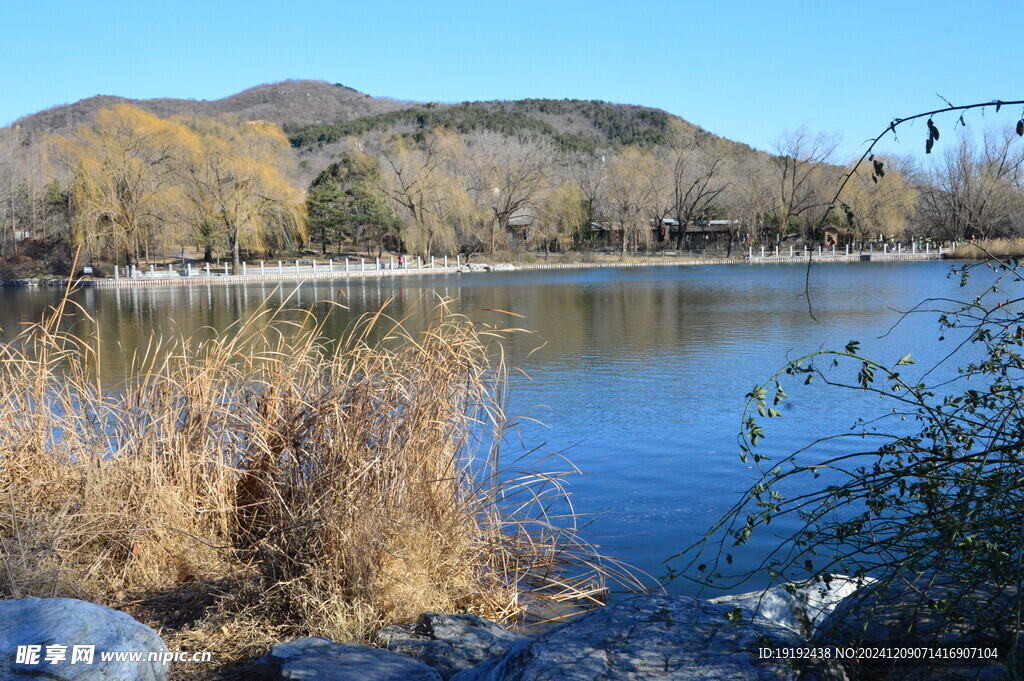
[{"x": 637, "y": 376}]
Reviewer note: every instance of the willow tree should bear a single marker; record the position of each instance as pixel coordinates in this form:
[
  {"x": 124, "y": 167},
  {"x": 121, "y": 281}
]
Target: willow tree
[
  {"x": 236, "y": 177},
  {"x": 874, "y": 207},
  {"x": 562, "y": 212},
  {"x": 427, "y": 189},
  {"x": 627, "y": 196},
  {"x": 122, "y": 191}
]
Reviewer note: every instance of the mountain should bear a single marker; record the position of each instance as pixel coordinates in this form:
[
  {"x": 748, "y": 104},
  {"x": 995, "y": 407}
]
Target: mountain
[
  {"x": 295, "y": 102},
  {"x": 318, "y": 115}
]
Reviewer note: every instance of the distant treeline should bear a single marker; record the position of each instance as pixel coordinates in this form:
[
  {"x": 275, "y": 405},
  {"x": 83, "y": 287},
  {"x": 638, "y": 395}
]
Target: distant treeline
[{"x": 541, "y": 175}]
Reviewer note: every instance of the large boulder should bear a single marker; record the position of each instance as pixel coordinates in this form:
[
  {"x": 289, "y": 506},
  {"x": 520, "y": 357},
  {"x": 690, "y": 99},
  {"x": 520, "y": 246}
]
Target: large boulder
[
  {"x": 800, "y": 606},
  {"x": 321, "y": 659},
  {"x": 58, "y": 625},
  {"x": 448, "y": 643},
  {"x": 926, "y": 613},
  {"x": 666, "y": 638}
]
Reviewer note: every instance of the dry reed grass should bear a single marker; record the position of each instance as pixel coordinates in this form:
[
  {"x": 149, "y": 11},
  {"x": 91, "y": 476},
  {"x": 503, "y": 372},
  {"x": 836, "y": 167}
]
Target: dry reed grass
[
  {"x": 267, "y": 483},
  {"x": 990, "y": 248}
]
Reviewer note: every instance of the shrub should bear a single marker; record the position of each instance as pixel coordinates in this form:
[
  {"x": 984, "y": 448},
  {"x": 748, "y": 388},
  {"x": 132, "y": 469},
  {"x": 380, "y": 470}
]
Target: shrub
[{"x": 929, "y": 490}]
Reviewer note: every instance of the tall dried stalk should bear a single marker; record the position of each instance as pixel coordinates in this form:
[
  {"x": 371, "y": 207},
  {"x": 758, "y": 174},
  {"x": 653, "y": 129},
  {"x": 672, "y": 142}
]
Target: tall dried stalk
[{"x": 329, "y": 486}]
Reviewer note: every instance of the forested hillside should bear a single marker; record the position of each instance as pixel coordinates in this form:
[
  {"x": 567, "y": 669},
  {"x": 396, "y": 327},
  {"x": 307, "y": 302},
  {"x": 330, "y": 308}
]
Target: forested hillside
[{"x": 573, "y": 125}]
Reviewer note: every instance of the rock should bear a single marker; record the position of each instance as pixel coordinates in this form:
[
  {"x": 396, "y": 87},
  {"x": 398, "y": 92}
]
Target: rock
[
  {"x": 53, "y": 622},
  {"x": 910, "y": 612},
  {"x": 321, "y": 659},
  {"x": 956, "y": 672},
  {"x": 666, "y": 638},
  {"x": 922, "y": 613},
  {"x": 448, "y": 643},
  {"x": 797, "y": 606}
]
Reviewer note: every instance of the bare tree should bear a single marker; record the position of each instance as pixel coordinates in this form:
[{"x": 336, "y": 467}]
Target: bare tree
[
  {"x": 507, "y": 177},
  {"x": 659, "y": 190},
  {"x": 695, "y": 187},
  {"x": 801, "y": 178},
  {"x": 976, "y": 193},
  {"x": 591, "y": 176},
  {"x": 749, "y": 197}
]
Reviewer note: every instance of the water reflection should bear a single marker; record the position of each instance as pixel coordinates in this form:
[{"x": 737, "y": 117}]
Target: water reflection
[{"x": 640, "y": 374}]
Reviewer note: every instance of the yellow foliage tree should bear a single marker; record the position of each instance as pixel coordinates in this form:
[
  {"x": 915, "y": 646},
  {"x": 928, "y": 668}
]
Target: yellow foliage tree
[
  {"x": 562, "y": 213},
  {"x": 123, "y": 190},
  {"x": 628, "y": 195},
  {"x": 140, "y": 181},
  {"x": 428, "y": 191},
  {"x": 879, "y": 207},
  {"x": 236, "y": 178}
]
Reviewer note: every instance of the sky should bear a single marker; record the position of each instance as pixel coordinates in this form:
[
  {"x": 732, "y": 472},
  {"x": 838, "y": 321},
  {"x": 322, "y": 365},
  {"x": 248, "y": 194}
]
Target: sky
[{"x": 749, "y": 71}]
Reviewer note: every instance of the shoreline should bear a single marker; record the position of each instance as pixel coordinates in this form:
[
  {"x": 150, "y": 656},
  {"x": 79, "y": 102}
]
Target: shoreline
[{"x": 307, "y": 273}]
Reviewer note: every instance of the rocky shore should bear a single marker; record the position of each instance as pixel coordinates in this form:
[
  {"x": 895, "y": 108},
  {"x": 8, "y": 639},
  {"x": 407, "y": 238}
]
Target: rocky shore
[{"x": 732, "y": 638}]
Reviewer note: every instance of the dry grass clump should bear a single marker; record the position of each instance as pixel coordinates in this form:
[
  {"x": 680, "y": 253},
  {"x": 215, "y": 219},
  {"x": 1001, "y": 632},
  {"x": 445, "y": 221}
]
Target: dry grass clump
[
  {"x": 267, "y": 483},
  {"x": 981, "y": 250}
]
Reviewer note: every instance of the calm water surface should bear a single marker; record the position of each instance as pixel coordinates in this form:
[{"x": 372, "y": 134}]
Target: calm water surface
[{"x": 641, "y": 373}]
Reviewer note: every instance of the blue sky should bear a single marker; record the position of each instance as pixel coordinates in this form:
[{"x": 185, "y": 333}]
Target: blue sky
[{"x": 745, "y": 70}]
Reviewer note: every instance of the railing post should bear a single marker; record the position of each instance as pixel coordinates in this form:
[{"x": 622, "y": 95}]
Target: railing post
[
  {"x": 458, "y": 260},
  {"x": 330, "y": 265},
  {"x": 314, "y": 267},
  {"x": 346, "y": 264},
  {"x": 207, "y": 266},
  {"x": 446, "y": 262},
  {"x": 188, "y": 269},
  {"x": 280, "y": 268},
  {"x": 117, "y": 272},
  {"x": 376, "y": 262},
  {"x": 362, "y": 264},
  {"x": 296, "y": 267},
  {"x": 776, "y": 250},
  {"x": 263, "y": 268},
  {"x": 245, "y": 268},
  {"x": 762, "y": 251},
  {"x": 419, "y": 263},
  {"x": 226, "y": 268},
  {"x": 431, "y": 262}
]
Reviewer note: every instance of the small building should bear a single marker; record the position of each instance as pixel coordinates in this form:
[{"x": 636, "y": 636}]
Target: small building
[
  {"x": 520, "y": 225},
  {"x": 700, "y": 233}
]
